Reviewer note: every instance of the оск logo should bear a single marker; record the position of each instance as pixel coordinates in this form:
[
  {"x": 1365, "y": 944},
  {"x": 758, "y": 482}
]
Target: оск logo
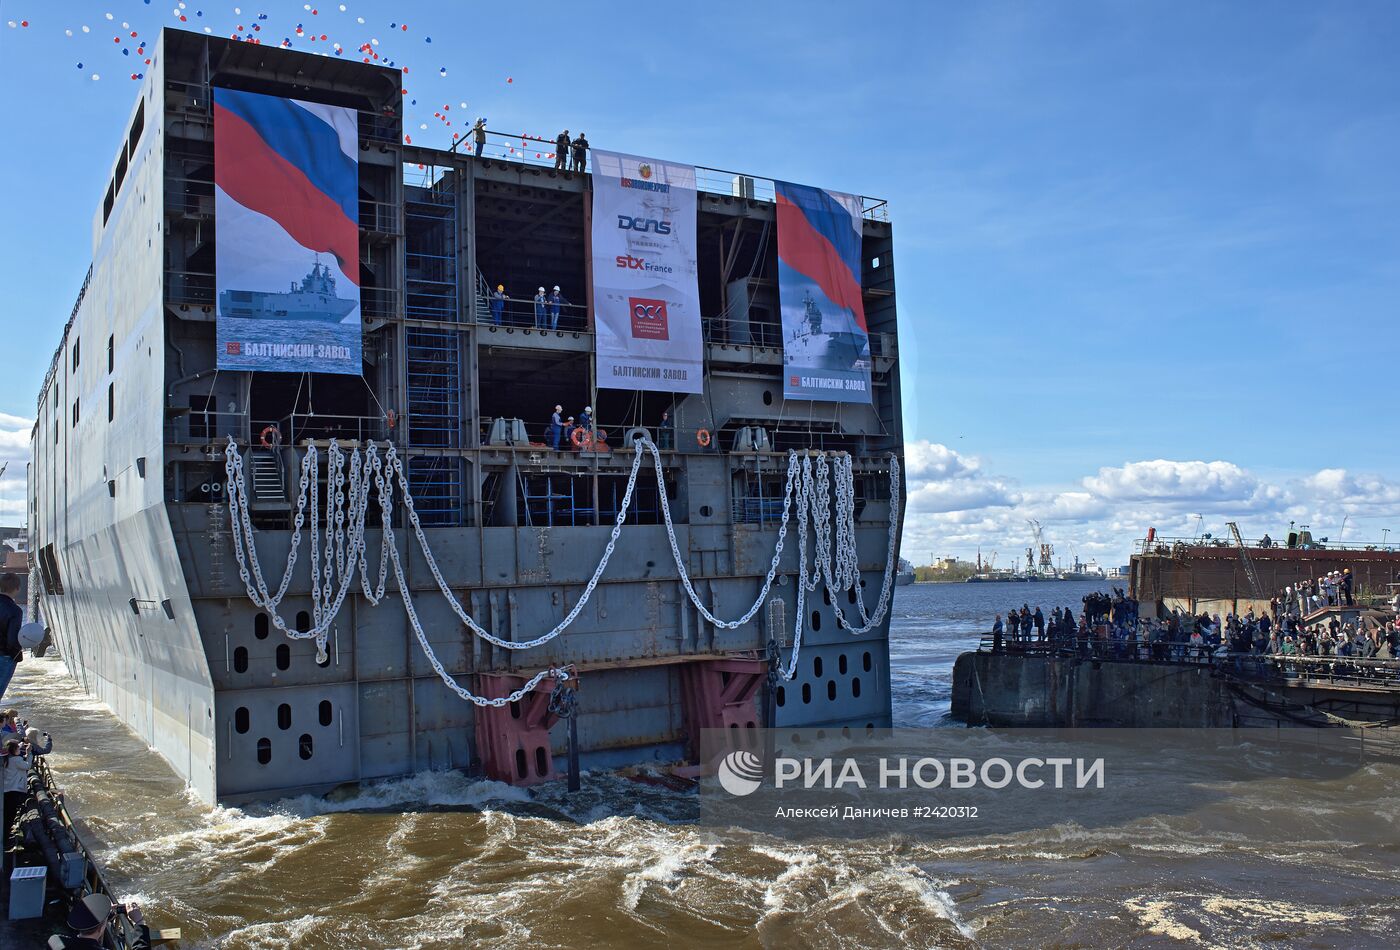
[
  {"x": 644, "y": 170},
  {"x": 740, "y": 773},
  {"x": 649, "y": 319}
]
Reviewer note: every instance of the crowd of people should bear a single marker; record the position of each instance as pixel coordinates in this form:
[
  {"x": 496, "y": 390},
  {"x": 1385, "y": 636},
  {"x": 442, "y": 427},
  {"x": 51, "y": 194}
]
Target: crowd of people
[
  {"x": 1333, "y": 589},
  {"x": 1110, "y": 627},
  {"x": 20, "y": 745},
  {"x": 1025, "y": 626}
]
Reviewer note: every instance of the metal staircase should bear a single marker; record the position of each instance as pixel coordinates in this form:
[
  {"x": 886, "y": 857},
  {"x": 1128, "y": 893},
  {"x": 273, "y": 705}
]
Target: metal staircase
[
  {"x": 1249, "y": 571},
  {"x": 269, "y": 482},
  {"x": 483, "y": 298}
]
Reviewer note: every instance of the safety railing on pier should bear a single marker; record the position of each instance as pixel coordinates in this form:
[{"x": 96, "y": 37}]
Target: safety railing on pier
[
  {"x": 1167, "y": 546},
  {"x": 1338, "y": 670}
]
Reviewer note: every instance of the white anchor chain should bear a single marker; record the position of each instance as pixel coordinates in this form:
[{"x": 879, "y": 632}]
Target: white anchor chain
[{"x": 835, "y": 560}]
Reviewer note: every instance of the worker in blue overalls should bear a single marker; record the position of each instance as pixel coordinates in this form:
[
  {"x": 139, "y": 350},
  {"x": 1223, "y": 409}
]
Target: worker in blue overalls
[
  {"x": 555, "y": 299},
  {"x": 498, "y": 304}
]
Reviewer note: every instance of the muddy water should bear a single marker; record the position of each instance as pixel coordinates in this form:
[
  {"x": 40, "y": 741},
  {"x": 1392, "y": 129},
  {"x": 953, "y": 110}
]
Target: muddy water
[{"x": 439, "y": 860}]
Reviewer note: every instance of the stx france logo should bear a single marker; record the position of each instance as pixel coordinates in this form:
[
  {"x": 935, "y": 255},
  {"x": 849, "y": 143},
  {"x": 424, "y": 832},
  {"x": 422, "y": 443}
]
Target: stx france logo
[
  {"x": 629, "y": 223},
  {"x": 649, "y": 319}
]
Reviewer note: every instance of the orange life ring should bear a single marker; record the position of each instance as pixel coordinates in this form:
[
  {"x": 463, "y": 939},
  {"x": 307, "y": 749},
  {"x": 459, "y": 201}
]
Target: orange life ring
[
  {"x": 579, "y": 438},
  {"x": 273, "y": 431},
  {"x": 391, "y": 417},
  {"x": 702, "y": 437}
]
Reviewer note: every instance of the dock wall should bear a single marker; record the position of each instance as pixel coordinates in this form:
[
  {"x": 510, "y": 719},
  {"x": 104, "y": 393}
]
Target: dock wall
[{"x": 1007, "y": 689}]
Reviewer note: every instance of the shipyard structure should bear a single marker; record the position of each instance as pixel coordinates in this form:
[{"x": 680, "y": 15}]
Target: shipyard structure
[{"x": 367, "y": 311}]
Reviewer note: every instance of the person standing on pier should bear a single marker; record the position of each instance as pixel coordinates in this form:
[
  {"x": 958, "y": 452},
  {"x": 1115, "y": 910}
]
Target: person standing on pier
[
  {"x": 1346, "y": 587},
  {"x": 1038, "y": 619},
  {"x": 1014, "y": 620},
  {"x": 11, "y": 619},
  {"x": 998, "y": 629}
]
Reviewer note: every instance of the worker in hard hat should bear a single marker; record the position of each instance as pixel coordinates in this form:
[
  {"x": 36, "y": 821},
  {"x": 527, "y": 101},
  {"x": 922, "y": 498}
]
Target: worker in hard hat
[
  {"x": 540, "y": 310},
  {"x": 555, "y": 299},
  {"x": 498, "y": 304}
]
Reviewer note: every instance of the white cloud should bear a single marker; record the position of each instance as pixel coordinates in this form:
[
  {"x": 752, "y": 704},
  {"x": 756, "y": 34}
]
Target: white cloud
[
  {"x": 942, "y": 480},
  {"x": 956, "y": 505},
  {"x": 14, "y": 450},
  {"x": 1181, "y": 483}
]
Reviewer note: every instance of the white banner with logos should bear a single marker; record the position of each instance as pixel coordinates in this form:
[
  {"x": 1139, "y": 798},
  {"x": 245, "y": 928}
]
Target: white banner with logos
[{"x": 646, "y": 295}]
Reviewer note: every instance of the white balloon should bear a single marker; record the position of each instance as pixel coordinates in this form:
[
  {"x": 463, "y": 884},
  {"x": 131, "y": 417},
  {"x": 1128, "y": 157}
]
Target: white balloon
[{"x": 31, "y": 634}]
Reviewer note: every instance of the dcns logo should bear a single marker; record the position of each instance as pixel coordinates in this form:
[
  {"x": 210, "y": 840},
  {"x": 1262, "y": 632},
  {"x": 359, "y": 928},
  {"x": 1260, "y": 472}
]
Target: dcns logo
[{"x": 645, "y": 225}]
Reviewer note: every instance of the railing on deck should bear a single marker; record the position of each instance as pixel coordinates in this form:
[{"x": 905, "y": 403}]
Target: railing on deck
[
  {"x": 521, "y": 312},
  {"x": 534, "y": 150},
  {"x": 300, "y": 426},
  {"x": 202, "y": 427},
  {"x": 1165, "y": 546}
]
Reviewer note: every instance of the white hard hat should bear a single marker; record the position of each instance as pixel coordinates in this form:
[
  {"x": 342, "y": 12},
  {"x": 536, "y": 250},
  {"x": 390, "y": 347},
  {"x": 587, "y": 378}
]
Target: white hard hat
[
  {"x": 541, "y": 290},
  {"x": 556, "y": 288},
  {"x": 31, "y": 634},
  {"x": 587, "y": 408}
]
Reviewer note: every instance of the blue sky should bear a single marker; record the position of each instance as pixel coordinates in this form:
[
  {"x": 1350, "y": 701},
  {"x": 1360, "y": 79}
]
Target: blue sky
[{"x": 1148, "y": 255}]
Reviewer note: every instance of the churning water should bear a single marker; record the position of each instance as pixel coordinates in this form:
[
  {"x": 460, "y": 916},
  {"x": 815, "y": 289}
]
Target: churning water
[{"x": 439, "y": 860}]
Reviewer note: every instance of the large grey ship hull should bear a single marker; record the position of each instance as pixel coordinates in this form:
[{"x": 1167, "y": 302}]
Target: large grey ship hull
[{"x": 130, "y": 527}]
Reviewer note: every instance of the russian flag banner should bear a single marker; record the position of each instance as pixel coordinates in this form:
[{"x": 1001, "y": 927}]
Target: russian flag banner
[
  {"x": 287, "y": 238},
  {"x": 826, "y": 345}
]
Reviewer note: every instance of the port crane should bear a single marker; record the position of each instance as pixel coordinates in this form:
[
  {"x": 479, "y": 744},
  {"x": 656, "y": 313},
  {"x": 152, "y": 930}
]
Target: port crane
[{"x": 1047, "y": 551}]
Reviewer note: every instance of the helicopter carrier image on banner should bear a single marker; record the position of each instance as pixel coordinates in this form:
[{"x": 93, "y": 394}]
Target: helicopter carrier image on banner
[{"x": 372, "y": 550}]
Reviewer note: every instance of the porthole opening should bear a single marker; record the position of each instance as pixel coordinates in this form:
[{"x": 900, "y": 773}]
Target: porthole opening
[
  {"x": 826, "y": 596},
  {"x": 816, "y": 621},
  {"x": 264, "y": 751},
  {"x": 851, "y": 595},
  {"x": 831, "y": 690},
  {"x": 260, "y": 626},
  {"x": 855, "y": 687},
  {"x": 768, "y": 397},
  {"x": 841, "y": 664},
  {"x": 240, "y": 660},
  {"x": 284, "y": 656},
  {"x": 240, "y": 719},
  {"x": 816, "y": 666},
  {"x": 706, "y": 511},
  {"x": 327, "y": 712},
  {"x": 865, "y": 661},
  {"x": 806, "y": 692},
  {"x": 304, "y": 746},
  {"x": 781, "y": 695},
  {"x": 303, "y": 621},
  {"x": 284, "y": 717}
]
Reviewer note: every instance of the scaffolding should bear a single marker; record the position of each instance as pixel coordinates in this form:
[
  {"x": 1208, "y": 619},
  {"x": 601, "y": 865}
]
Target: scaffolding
[{"x": 430, "y": 251}]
